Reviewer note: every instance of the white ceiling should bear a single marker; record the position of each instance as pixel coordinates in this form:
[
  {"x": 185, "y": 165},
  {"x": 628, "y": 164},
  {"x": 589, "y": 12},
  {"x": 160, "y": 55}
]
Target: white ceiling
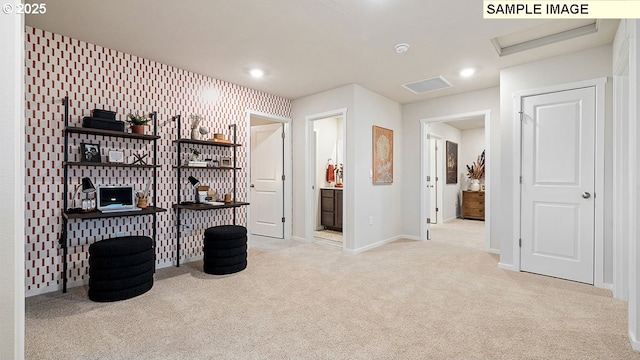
[{"x": 308, "y": 46}]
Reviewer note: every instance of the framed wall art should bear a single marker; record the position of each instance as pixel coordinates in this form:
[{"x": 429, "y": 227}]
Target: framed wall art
[
  {"x": 90, "y": 153},
  {"x": 382, "y": 155},
  {"x": 452, "y": 162}
]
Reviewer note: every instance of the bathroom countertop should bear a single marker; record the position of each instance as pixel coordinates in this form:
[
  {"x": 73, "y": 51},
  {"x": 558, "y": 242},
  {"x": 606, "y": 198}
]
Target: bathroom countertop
[{"x": 332, "y": 188}]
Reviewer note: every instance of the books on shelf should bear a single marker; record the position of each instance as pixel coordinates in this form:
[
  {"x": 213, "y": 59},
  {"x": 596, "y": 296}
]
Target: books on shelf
[
  {"x": 197, "y": 163},
  {"x": 223, "y": 141}
]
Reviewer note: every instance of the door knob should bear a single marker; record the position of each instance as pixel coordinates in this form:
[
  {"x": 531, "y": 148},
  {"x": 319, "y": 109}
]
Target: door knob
[
  {"x": 252, "y": 185},
  {"x": 586, "y": 195}
]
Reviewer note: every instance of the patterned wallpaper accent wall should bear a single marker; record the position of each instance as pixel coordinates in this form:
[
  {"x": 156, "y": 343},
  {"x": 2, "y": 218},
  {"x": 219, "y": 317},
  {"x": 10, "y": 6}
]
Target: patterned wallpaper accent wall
[{"x": 99, "y": 78}]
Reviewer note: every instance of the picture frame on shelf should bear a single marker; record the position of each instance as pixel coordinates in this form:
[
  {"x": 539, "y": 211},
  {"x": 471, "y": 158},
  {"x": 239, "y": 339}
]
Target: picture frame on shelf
[
  {"x": 90, "y": 153},
  {"x": 225, "y": 161},
  {"x": 116, "y": 157}
]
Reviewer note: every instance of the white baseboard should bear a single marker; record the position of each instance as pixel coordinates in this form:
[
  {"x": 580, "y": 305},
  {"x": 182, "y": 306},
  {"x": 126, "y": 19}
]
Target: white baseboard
[
  {"x": 605, "y": 286},
  {"x": 410, "y": 237},
  {"x": 493, "y": 251},
  {"x": 509, "y": 267},
  {"x": 635, "y": 344},
  {"x": 373, "y": 246},
  {"x": 298, "y": 238}
]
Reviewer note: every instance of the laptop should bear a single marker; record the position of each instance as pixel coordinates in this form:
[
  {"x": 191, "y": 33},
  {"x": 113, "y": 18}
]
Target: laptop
[{"x": 116, "y": 199}]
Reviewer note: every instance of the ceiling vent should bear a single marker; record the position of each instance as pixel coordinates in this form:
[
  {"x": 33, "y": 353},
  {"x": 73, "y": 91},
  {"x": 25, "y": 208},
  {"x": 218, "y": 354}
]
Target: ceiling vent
[{"x": 423, "y": 86}]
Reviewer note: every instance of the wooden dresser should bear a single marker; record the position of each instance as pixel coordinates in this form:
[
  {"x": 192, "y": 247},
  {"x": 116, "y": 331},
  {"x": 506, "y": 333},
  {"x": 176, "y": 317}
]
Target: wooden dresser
[{"x": 473, "y": 205}]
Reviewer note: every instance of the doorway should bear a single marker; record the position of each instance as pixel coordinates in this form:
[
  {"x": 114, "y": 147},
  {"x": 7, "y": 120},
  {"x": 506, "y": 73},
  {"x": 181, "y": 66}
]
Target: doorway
[
  {"x": 327, "y": 171},
  {"x": 435, "y": 187},
  {"x": 449, "y": 208},
  {"x": 269, "y": 176}
]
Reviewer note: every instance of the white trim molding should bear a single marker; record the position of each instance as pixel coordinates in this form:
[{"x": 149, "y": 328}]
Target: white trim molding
[
  {"x": 288, "y": 168},
  {"x": 309, "y": 175},
  {"x": 424, "y": 124}
]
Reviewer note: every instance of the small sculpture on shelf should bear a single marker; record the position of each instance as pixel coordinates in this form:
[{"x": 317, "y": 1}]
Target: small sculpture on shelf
[
  {"x": 196, "y": 130},
  {"x": 138, "y": 122}
]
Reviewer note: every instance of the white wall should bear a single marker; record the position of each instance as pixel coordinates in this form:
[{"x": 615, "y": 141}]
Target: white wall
[
  {"x": 487, "y": 99},
  {"x": 471, "y": 146},
  {"x": 327, "y": 101},
  {"x": 381, "y": 203},
  {"x": 593, "y": 63},
  {"x": 450, "y": 204},
  {"x": 12, "y": 191}
]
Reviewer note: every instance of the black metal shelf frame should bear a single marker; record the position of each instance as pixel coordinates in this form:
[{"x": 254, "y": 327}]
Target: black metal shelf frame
[
  {"x": 151, "y": 210},
  {"x": 178, "y": 206}
]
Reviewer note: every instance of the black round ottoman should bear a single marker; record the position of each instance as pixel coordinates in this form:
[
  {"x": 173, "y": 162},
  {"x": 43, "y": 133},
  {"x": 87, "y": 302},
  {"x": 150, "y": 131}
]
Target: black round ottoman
[
  {"x": 225, "y": 249},
  {"x": 120, "y": 268}
]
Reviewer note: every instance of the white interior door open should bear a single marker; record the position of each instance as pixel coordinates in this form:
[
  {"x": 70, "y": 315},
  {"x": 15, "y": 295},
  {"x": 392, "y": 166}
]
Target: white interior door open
[
  {"x": 267, "y": 184},
  {"x": 428, "y": 178},
  {"x": 558, "y": 184},
  {"x": 434, "y": 147}
]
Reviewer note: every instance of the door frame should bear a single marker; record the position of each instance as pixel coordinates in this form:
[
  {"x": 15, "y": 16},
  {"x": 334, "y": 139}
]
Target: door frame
[
  {"x": 287, "y": 168},
  {"x": 309, "y": 174},
  {"x": 439, "y": 190},
  {"x": 424, "y": 165},
  {"x": 622, "y": 218},
  {"x": 599, "y": 85}
]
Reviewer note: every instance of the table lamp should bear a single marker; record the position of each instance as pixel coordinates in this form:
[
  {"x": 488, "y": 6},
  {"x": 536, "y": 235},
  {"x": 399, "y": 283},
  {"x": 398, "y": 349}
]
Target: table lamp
[
  {"x": 87, "y": 187},
  {"x": 195, "y": 183}
]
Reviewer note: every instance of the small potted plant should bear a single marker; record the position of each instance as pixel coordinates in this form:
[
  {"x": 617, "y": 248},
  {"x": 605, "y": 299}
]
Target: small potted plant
[{"x": 137, "y": 123}]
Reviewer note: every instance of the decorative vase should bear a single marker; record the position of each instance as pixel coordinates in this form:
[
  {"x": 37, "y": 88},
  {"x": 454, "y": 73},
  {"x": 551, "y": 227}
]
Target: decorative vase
[
  {"x": 195, "y": 134},
  {"x": 137, "y": 129},
  {"x": 475, "y": 185}
]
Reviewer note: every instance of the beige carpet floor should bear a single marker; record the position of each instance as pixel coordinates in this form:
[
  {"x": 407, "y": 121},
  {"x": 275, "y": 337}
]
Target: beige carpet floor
[
  {"x": 441, "y": 299},
  {"x": 329, "y": 235}
]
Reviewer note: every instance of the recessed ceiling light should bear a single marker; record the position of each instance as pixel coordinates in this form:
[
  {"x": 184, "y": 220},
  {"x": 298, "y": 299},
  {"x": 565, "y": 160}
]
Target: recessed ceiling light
[
  {"x": 257, "y": 73},
  {"x": 467, "y": 72},
  {"x": 402, "y": 48}
]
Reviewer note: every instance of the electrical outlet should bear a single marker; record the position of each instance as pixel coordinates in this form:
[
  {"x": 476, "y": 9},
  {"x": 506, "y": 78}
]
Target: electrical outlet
[{"x": 370, "y": 220}]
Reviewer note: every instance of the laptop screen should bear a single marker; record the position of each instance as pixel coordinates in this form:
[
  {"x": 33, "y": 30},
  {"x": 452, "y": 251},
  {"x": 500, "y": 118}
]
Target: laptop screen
[{"x": 115, "y": 196}]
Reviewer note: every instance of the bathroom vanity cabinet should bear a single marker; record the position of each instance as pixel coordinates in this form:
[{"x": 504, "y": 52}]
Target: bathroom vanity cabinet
[{"x": 331, "y": 209}]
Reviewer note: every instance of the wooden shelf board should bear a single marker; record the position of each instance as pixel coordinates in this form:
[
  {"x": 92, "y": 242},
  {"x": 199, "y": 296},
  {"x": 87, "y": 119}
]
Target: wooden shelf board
[
  {"x": 206, "y": 167},
  {"x": 84, "y": 163},
  {"x": 122, "y": 134},
  {"x": 205, "y": 142},
  {"x": 209, "y": 207},
  {"x": 98, "y": 215}
]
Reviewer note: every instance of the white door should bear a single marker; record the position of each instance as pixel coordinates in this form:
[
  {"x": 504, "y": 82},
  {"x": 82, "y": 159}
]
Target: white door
[
  {"x": 558, "y": 170},
  {"x": 429, "y": 181},
  {"x": 433, "y": 172},
  {"x": 267, "y": 202}
]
